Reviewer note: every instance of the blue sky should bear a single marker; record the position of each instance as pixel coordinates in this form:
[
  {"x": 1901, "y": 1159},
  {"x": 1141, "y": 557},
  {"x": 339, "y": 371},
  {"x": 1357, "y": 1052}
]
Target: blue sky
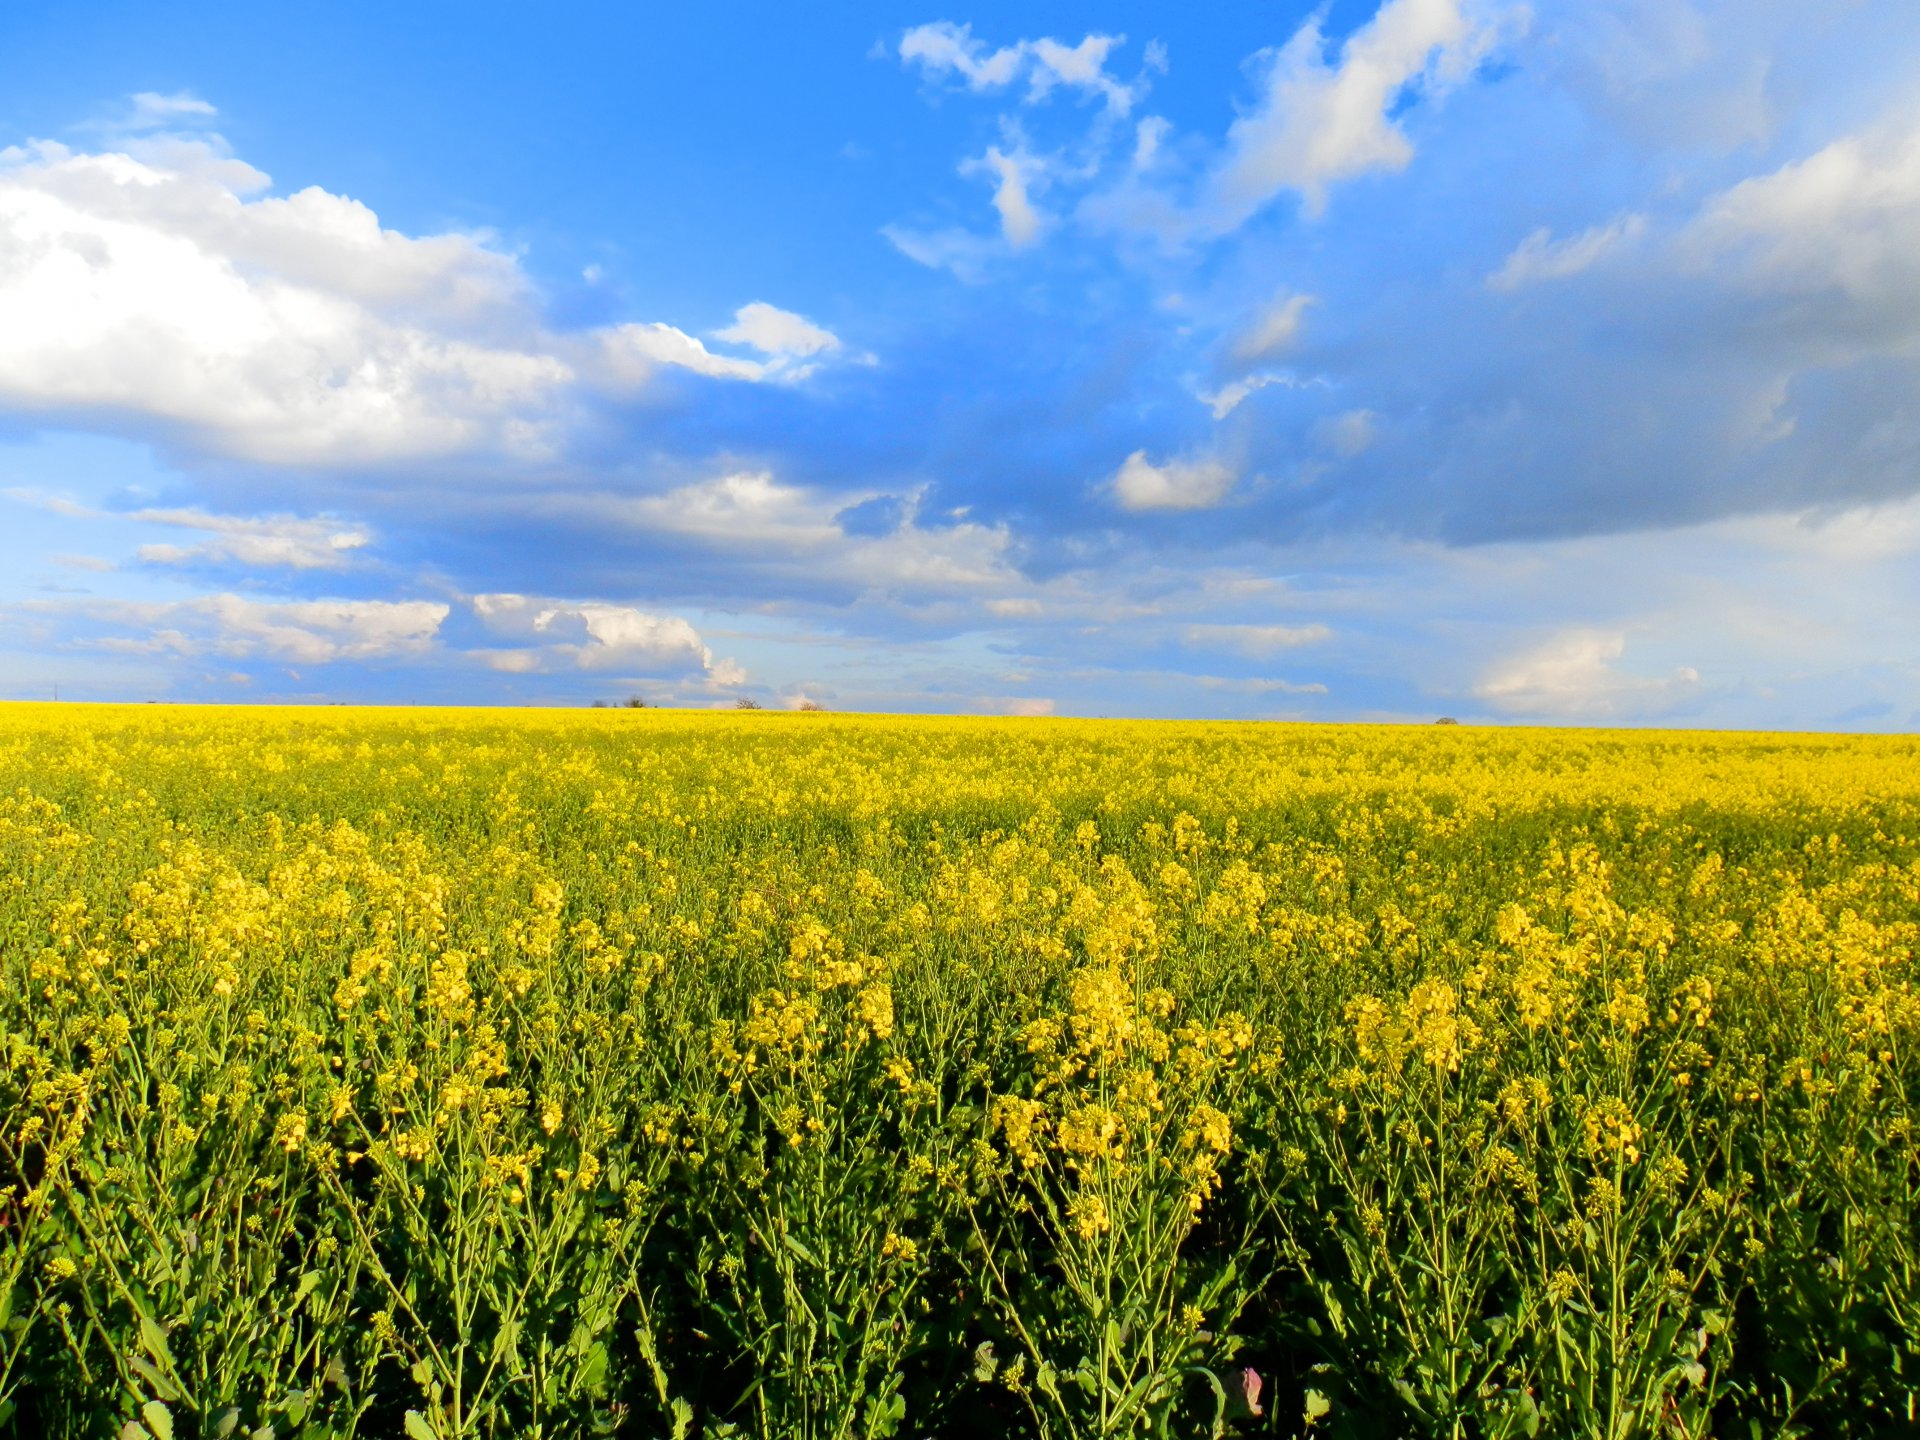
[{"x": 1552, "y": 362}]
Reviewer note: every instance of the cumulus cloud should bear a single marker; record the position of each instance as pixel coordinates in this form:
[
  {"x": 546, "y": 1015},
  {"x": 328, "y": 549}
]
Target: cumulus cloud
[
  {"x": 304, "y": 632},
  {"x": 632, "y": 354},
  {"x": 1197, "y": 484},
  {"x": 160, "y": 282},
  {"x": 773, "y": 331},
  {"x": 773, "y": 529},
  {"x": 1572, "y": 676},
  {"x": 277, "y": 330},
  {"x": 291, "y": 541},
  {"x": 1844, "y": 222},
  {"x": 595, "y": 635},
  {"x": 943, "y": 51},
  {"x": 1317, "y": 122},
  {"x": 1540, "y": 257}
]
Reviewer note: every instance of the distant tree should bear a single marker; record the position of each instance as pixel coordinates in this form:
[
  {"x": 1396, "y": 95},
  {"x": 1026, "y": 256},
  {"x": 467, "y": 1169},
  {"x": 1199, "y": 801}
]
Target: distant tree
[
  {"x": 806, "y": 704},
  {"x": 599, "y": 704},
  {"x": 1446, "y": 720},
  {"x": 746, "y": 702},
  {"x": 634, "y": 702}
]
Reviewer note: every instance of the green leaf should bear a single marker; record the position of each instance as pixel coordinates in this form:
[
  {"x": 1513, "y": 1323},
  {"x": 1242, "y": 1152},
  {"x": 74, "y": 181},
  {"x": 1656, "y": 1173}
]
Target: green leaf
[
  {"x": 228, "y": 1422},
  {"x": 985, "y": 1363},
  {"x": 682, "y": 1419},
  {"x": 643, "y": 1336},
  {"x": 161, "y": 1374},
  {"x": 149, "y": 1372},
  {"x": 418, "y": 1428},
  {"x": 884, "y": 1419},
  {"x": 159, "y": 1419},
  {"x": 593, "y": 1374},
  {"x": 153, "y": 1337},
  {"x": 506, "y": 1345},
  {"x": 1318, "y": 1406},
  {"x": 1529, "y": 1414}
]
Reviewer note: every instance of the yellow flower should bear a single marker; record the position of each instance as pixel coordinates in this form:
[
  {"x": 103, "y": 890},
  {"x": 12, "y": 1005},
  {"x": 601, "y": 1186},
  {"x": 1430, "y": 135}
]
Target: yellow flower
[
  {"x": 1209, "y": 1128},
  {"x": 1091, "y": 1132},
  {"x": 291, "y": 1131},
  {"x": 874, "y": 1007},
  {"x": 1022, "y": 1122},
  {"x": 1088, "y": 1216}
]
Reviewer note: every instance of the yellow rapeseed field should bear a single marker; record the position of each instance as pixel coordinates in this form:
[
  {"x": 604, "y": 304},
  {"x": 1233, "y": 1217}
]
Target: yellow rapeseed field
[{"x": 458, "y": 1073}]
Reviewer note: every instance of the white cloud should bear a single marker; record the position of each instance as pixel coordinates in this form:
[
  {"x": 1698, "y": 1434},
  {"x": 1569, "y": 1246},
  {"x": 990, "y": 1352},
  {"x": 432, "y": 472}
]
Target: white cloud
[
  {"x": 510, "y": 662},
  {"x": 1255, "y": 640},
  {"x": 303, "y": 632},
  {"x": 293, "y": 541},
  {"x": 271, "y": 540},
  {"x": 944, "y": 50},
  {"x": 1572, "y": 677},
  {"x": 1846, "y": 540},
  {"x": 1273, "y": 330},
  {"x": 773, "y": 331},
  {"x": 790, "y": 533},
  {"x": 1540, "y": 257},
  {"x": 632, "y": 354},
  {"x": 150, "y": 108},
  {"x": 159, "y": 281},
  {"x": 1020, "y": 223},
  {"x": 594, "y": 635},
  {"x": 1148, "y": 138},
  {"x": 1224, "y": 401},
  {"x": 1015, "y": 174},
  {"x": 1844, "y": 221},
  {"x": 1316, "y": 123},
  {"x": 1199, "y": 484},
  {"x": 278, "y": 330}
]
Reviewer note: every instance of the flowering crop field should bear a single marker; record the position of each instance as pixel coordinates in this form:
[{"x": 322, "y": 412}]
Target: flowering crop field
[{"x": 469, "y": 1073}]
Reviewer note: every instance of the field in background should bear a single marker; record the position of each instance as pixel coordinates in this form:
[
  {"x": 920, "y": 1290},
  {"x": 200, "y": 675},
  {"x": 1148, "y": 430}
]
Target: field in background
[{"x": 485, "y": 1073}]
